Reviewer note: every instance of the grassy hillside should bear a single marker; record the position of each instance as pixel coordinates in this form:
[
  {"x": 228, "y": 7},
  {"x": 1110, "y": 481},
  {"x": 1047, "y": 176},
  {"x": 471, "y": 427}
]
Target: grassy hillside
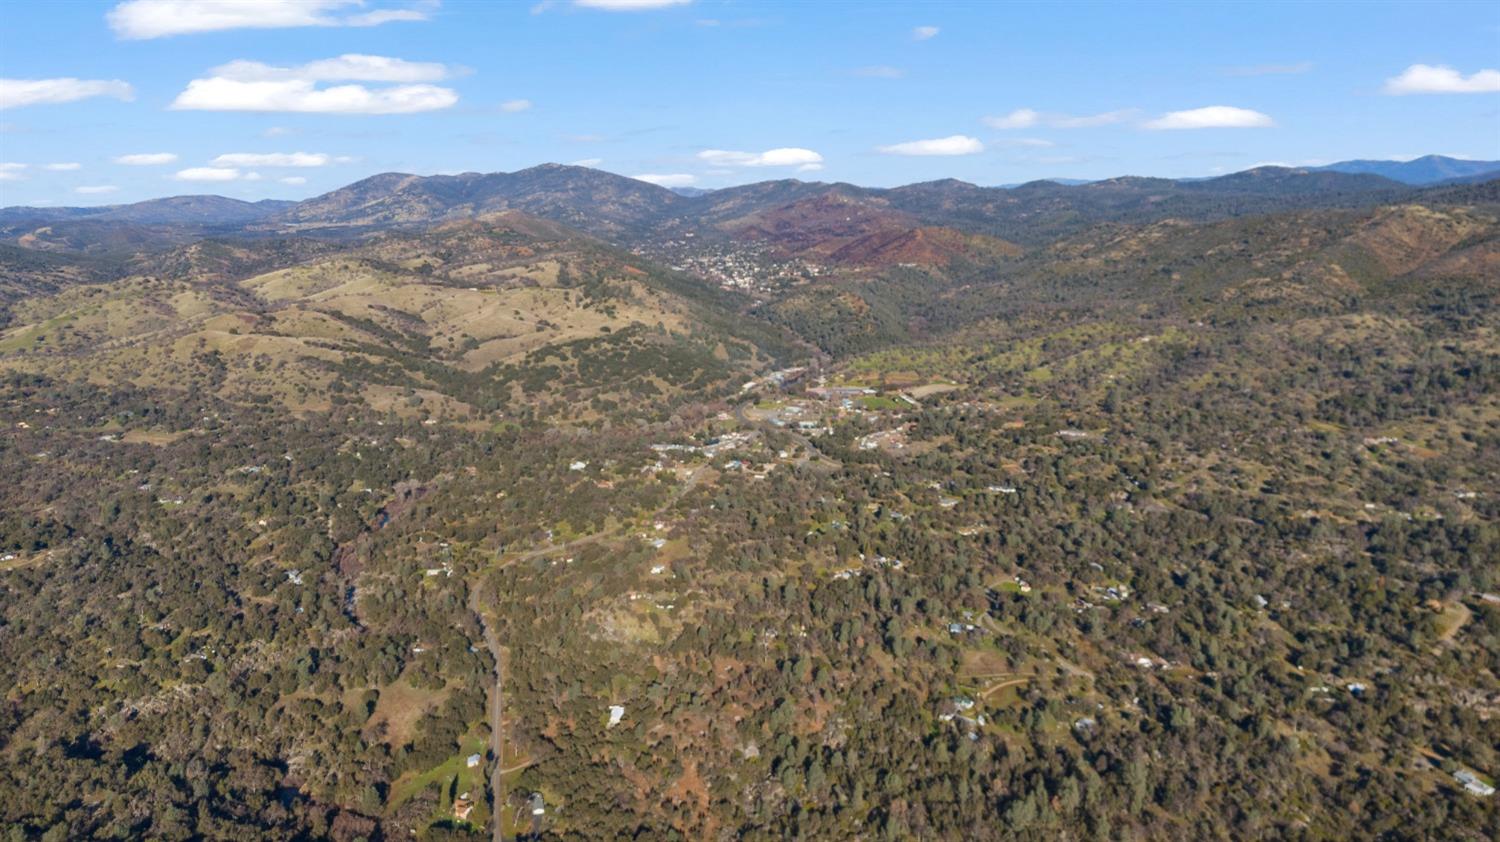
[{"x": 471, "y": 321}]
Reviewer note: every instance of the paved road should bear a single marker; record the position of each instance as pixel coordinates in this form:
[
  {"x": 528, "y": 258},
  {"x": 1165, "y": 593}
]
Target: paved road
[
  {"x": 492, "y": 642},
  {"x": 742, "y": 415},
  {"x": 497, "y": 719}
]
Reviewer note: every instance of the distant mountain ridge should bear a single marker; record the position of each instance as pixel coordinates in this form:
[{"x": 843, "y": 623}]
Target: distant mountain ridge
[
  {"x": 629, "y": 211},
  {"x": 590, "y": 200},
  {"x": 1428, "y": 169},
  {"x": 172, "y": 210}
]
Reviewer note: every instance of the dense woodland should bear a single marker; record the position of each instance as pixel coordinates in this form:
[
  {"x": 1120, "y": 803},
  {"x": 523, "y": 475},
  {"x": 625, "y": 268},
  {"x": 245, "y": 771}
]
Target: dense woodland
[{"x": 1160, "y": 530}]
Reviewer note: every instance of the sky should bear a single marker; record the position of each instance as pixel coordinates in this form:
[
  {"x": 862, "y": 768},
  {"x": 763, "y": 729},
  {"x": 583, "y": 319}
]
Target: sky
[{"x": 110, "y": 102}]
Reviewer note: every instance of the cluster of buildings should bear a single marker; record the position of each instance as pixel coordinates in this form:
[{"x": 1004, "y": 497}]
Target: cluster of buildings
[{"x": 747, "y": 267}]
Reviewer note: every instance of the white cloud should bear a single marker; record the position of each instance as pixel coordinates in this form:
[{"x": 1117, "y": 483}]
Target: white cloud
[
  {"x": 207, "y": 174},
  {"x": 1211, "y": 117},
  {"x": 954, "y": 145},
  {"x": 277, "y": 131},
  {"x": 15, "y": 93},
  {"x": 1440, "y": 79},
  {"x": 301, "y": 96},
  {"x": 591, "y": 163},
  {"x": 141, "y": 19},
  {"x": 293, "y": 180},
  {"x": 1021, "y": 118},
  {"x": 1026, "y": 118},
  {"x": 92, "y": 189},
  {"x": 11, "y": 171},
  {"x": 922, "y": 33},
  {"x": 1089, "y": 121},
  {"x": 379, "y": 16},
  {"x": 680, "y": 179},
  {"x": 68, "y": 166},
  {"x": 254, "y": 86},
  {"x": 146, "y": 159},
  {"x": 879, "y": 71},
  {"x": 512, "y": 106},
  {"x": 787, "y": 156},
  {"x": 629, "y": 5},
  {"x": 277, "y": 159},
  {"x": 350, "y": 67},
  {"x": 1033, "y": 142},
  {"x": 253, "y": 176}
]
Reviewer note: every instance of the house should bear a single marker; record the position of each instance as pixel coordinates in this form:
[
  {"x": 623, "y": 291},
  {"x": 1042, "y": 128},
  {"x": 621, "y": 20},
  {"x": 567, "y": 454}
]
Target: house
[
  {"x": 831, "y": 392},
  {"x": 538, "y": 806},
  {"x": 473, "y": 761},
  {"x": 616, "y": 713},
  {"x": 462, "y": 807},
  {"x": 1472, "y": 784},
  {"x": 578, "y": 465}
]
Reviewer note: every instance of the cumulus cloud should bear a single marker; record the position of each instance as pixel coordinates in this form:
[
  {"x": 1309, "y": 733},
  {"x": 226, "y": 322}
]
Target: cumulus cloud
[
  {"x": 144, "y": 19},
  {"x": 349, "y": 67},
  {"x": 92, "y": 189},
  {"x": 293, "y": 180},
  {"x": 378, "y": 16},
  {"x": 922, "y": 33},
  {"x": 303, "y": 97},
  {"x": 15, "y": 93},
  {"x": 277, "y": 159},
  {"x": 66, "y": 166},
  {"x": 253, "y": 86},
  {"x": 146, "y": 159},
  {"x": 207, "y": 174},
  {"x": 953, "y": 145},
  {"x": 12, "y": 171},
  {"x": 629, "y": 5},
  {"x": 1026, "y": 118},
  {"x": 1021, "y": 118},
  {"x": 786, "y": 156},
  {"x": 680, "y": 179},
  {"x": 1211, "y": 117},
  {"x": 1440, "y": 79},
  {"x": 511, "y": 106}
]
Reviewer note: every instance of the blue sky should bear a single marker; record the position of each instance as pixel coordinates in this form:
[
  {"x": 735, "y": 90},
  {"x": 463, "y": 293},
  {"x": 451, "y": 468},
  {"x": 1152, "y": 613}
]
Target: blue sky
[{"x": 120, "y": 101}]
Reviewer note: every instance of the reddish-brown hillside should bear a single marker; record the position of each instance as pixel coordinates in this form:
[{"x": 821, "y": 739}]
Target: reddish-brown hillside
[{"x": 843, "y": 230}]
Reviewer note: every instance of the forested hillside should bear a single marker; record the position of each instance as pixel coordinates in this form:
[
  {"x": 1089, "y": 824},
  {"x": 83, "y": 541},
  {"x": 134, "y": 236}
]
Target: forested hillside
[{"x": 939, "y": 512}]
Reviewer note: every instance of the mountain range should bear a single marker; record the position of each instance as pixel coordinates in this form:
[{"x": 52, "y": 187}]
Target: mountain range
[
  {"x": 613, "y": 206},
  {"x": 1428, "y": 169}
]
